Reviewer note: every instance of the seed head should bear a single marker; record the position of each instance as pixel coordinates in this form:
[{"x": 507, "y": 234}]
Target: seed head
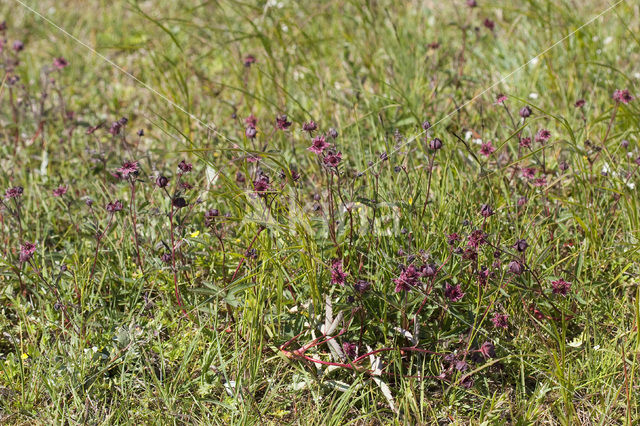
[
  {"x": 521, "y": 245},
  {"x": 179, "y": 202},
  {"x": 516, "y": 267},
  {"x": 251, "y": 132},
  {"x": 435, "y": 144},
  {"x": 525, "y": 111},
  {"x": 162, "y": 181}
]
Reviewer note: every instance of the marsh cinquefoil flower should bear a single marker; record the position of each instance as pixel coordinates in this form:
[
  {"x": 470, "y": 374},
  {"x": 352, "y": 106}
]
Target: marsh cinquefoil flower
[
  {"x": 128, "y": 168},
  {"x": 453, "y": 292},
  {"x": 500, "y": 320},
  {"x": 114, "y": 206},
  {"x": 27, "y": 250},
  {"x": 487, "y": 148},
  {"x": 318, "y": 145},
  {"x": 60, "y": 191},
  {"x": 261, "y": 185},
  {"x": 185, "y": 167},
  {"x": 332, "y": 159},
  {"x": 14, "y": 192},
  {"x": 310, "y": 126},
  {"x": 59, "y": 63},
  {"x": 561, "y": 287},
  {"x": 622, "y": 96},
  {"x": 543, "y": 136},
  {"x": 338, "y": 276},
  {"x": 282, "y": 123},
  {"x": 408, "y": 278}
]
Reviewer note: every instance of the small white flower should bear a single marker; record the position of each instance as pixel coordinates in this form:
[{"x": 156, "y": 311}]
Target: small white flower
[
  {"x": 535, "y": 60},
  {"x": 468, "y": 135},
  {"x": 477, "y": 141},
  {"x": 533, "y": 95},
  {"x": 607, "y": 40}
]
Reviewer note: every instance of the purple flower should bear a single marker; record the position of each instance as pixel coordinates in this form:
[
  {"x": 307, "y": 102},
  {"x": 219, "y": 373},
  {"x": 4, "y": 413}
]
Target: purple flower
[
  {"x": 14, "y": 192},
  {"x": 251, "y": 121},
  {"x": 249, "y": 60},
  {"x": 483, "y": 275},
  {"x": 349, "y": 349},
  {"x": 486, "y": 210},
  {"x": 435, "y": 144},
  {"x": 128, "y": 168},
  {"x": 580, "y": 103},
  {"x": 333, "y": 133},
  {"x": 318, "y": 145},
  {"x": 500, "y": 320},
  {"x": 541, "y": 181},
  {"x": 310, "y": 126},
  {"x": 282, "y": 123},
  {"x": 515, "y": 267},
  {"x": 60, "y": 191},
  {"x": 522, "y": 201},
  {"x": 472, "y": 3},
  {"x": 452, "y": 238},
  {"x": 487, "y": 148},
  {"x": 251, "y": 132},
  {"x": 408, "y": 278},
  {"x": 114, "y": 206},
  {"x": 453, "y": 292},
  {"x": 500, "y": 99},
  {"x": 26, "y": 251},
  {"x": 525, "y": 142},
  {"x": 488, "y": 350},
  {"x": 543, "y": 135},
  {"x": 59, "y": 63},
  {"x": 561, "y": 287},
  {"x": 332, "y": 159},
  {"x": 185, "y": 167},
  {"x": 18, "y": 46},
  {"x": 426, "y": 125},
  {"x": 622, "y": 96},
  {"x": 525, "y": 111},
  {"x": 529, "y": 172},
  {"x": 261, "y": 185},
  {"x": 338, "y": 276},
  {"x": 476, "y": 239},
  {"x": 489, "y": 24}
]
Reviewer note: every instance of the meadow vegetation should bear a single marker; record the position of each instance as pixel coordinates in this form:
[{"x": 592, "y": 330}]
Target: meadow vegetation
[{"x": 337, "y": 212}]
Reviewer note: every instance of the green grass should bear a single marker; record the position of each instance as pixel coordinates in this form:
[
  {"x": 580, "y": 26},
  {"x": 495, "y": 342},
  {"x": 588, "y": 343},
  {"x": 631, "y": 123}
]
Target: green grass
[{"x": 112, "y": 344}]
